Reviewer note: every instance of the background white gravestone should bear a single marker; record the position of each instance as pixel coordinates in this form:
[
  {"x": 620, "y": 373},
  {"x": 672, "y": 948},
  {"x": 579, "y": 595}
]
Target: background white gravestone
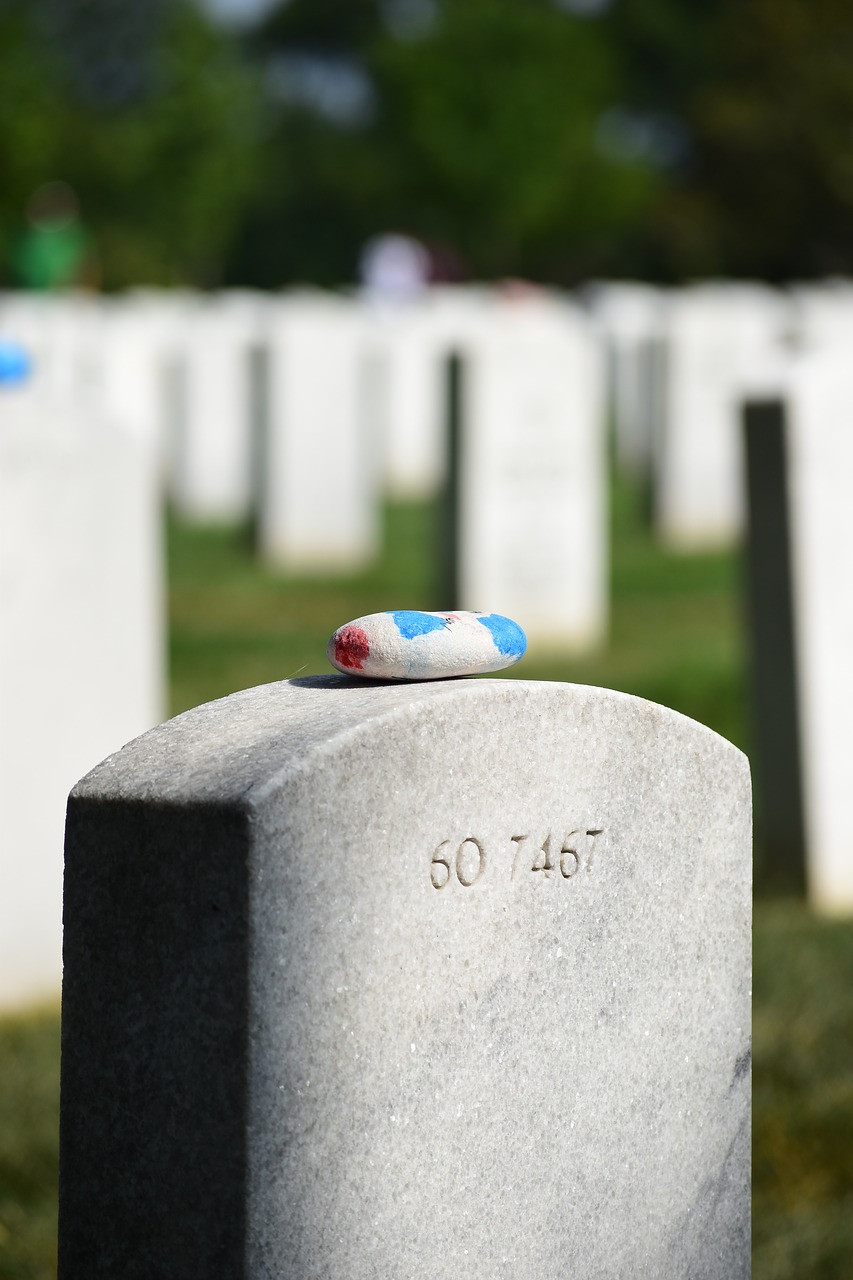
[
  {"x": 822, "y": 315},
  {"x": 60, "y": 332},
  {"x": 81, "y": 649},
  {"x": 810, "y": 489},
  {"x": 319, "y": 507},
  {"x": 436, "y": 980},
  {"x": 406, "y": 399},
  {"x": 138, "y": 335},
  {"x": 630, "y": 317},
  {"x": 531, "y": 484},
  {"x": 212, "y": 464},
  {"x": 715, "y": 334},
  {"x": 407, "y": 350}
]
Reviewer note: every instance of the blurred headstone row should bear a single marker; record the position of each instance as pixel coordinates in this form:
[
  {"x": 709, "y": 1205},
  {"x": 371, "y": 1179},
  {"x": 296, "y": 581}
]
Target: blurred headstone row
[{"x": 302, "y": 413}]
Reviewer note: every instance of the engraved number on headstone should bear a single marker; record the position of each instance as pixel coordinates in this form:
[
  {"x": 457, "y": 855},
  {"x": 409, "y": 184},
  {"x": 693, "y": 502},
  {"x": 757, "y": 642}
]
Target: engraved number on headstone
[
  {"x": 569, "y": 860},
  {"x": 543, "y": 860},
  {"x": 469, "y": 861},
  {"x": 592, "y": 832},
  {"x": 570, "y": 853},
  {"x": 572, "y": 848},
  {"x": 439, "y": 871},
  {"x": 468, "y": 864},
  {"x": 518, "y": 841}
]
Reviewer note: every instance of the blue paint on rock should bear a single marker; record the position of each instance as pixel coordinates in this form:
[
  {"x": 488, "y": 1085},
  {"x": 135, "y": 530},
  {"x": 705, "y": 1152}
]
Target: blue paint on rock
[
  {"x": 411, "y": 622},
  {"x": 508, "y": 636}
]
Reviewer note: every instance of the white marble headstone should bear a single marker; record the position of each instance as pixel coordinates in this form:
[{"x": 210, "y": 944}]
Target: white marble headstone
[
  {"x": 821, "y": 315},
  {"x": 212, "y": 450},
  {"x": 136, "y": 340},
  {"x": 630, "y": 316},
  {"x": 435, "y": 980},
  {"x": 60, "y": 331},
  {"x": 82, "y": 648},
  {"x": 532, "y": 473},
  {"x": 814, "y": 397},
  {"x": 319, "y": 487},
  {"x": 715, "y": 335},
  {"x": 408, "y": 346}
]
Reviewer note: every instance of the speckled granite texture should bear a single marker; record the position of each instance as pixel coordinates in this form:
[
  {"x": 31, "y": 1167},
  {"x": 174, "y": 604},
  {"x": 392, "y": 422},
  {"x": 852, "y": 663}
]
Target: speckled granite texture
[{"x": 370, "y": 982}]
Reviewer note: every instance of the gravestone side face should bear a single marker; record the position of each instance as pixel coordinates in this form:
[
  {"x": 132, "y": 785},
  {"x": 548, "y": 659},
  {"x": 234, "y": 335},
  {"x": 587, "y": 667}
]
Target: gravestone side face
[
  {"x": 811, "y": 612},
  {"x": 773, "y": 673},
  {"x": 446, "y": 979},
  {"x": 531, "y": 481}
]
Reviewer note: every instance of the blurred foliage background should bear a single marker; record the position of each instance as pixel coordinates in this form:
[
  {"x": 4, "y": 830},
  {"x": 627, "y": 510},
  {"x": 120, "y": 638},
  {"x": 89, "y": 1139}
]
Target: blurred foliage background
[{"x": 238, "y": 142}]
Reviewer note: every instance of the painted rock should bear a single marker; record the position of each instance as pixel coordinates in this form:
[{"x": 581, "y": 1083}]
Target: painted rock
[{"x": 408, "y": 644}]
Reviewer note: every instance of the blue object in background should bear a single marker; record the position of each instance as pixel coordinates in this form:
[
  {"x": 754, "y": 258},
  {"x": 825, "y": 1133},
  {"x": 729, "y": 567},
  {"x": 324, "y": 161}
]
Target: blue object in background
[{"x": 15, "y": 363}]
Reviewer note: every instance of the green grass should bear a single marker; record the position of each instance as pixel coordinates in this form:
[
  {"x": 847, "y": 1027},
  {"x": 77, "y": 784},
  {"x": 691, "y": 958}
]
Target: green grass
[
  {"x": 29, "y": 1123},
  {"x": 676, "y": 637},
  {"x": 803, "y": 1096}
]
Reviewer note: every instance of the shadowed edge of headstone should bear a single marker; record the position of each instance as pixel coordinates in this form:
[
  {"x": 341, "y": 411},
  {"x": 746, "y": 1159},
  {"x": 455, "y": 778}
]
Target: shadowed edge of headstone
[
  {"x": 770, "y": 606},
  {"x": 168, "y": 1048}
]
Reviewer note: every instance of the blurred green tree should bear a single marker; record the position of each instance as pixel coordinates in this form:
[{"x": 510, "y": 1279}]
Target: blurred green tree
[
  {"x": 774, "y": 125},
  {"x": 763, "y": 94},
  {"x": 496, "y": 120},
  {"x": 325, "y": 181},
  {"x": 146, "y": 112},
  {"x": 549, "y": 139},
  {"x": 476, "y": 124}
]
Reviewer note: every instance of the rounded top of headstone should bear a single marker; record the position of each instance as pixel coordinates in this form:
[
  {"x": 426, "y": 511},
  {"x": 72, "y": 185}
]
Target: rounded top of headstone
[{"x": 238, "y": 750}]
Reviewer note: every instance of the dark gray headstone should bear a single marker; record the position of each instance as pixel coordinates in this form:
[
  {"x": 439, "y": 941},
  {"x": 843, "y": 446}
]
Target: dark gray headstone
[
  {"x": 773, "y": 659},
  {"x": 800, "y": 453}
]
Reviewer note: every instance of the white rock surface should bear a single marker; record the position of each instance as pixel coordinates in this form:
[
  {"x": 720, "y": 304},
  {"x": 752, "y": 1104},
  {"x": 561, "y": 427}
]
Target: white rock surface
[{"x": 410, "y": 644}]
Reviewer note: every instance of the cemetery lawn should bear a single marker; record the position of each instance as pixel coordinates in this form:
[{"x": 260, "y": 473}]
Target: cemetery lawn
[
  {"x": 676, "y": 638},
  {"x": 29, "y": 1141}
]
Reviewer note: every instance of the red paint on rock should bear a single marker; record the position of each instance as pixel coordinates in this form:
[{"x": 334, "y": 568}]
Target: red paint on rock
[{"x": 352, "y": 647}]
